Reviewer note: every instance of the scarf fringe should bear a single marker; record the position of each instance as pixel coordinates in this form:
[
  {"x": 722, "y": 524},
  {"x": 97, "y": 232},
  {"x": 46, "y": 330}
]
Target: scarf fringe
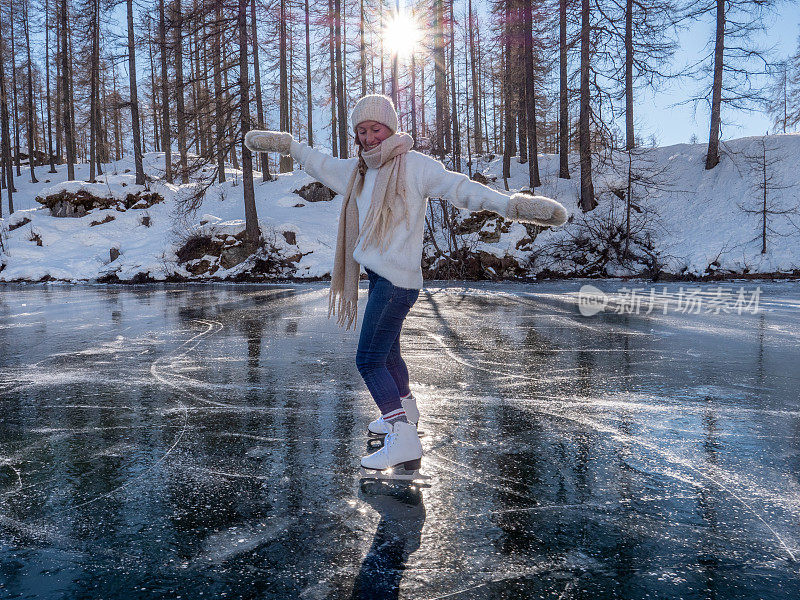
[{"x": 346, "y": 312}]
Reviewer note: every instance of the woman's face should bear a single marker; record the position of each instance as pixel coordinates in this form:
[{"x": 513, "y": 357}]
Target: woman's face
[{"x": 372, "y": 133}]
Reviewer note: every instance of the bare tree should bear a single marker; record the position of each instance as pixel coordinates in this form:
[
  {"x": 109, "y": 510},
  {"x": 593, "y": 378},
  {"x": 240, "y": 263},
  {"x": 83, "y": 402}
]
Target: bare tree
[
  {"x": 265, "y": 174},
  {"x": 167, "y": 126},
  {"x": 252, "y": 231},
  {"x": 784, "y": 93},
  {"x": 340, "y": 96},
  {"x": 737, "y": 64},
  {"x": 137, "y": 136},
  {"x": 30, "y": 110},
  {"x": 563, "y": 115},
  {"x": 180, "y": 109},
  {"x": 530, "y": 96},
  {"x": 5, "y": 132},
  {"x": 761, "y": 163},
  {"x": 587, "y": 199},
  {"x": 66, "y": 75}
]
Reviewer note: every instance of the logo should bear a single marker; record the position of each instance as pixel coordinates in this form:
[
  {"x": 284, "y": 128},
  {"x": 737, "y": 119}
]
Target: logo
[{"x": 591, "y": 300}]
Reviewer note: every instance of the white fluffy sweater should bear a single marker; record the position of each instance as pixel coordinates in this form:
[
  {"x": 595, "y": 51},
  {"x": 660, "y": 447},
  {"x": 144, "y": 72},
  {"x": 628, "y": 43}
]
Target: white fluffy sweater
[{"x": 426, "y": 177}]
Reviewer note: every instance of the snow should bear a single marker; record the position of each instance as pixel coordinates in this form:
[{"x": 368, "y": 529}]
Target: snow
[{"x": 694, "y": 217}]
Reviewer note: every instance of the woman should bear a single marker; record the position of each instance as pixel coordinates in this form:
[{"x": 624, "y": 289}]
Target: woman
[{"x": 381, "y": 224}]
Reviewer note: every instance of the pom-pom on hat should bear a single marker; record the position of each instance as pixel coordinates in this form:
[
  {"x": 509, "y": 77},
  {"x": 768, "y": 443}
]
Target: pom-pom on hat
[{"x": 374, "y": 107}]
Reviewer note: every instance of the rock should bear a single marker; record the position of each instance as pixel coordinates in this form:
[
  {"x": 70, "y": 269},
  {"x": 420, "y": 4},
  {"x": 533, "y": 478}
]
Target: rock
[
  {"x": 475, "y": 222},
  {"x": 113, "y": 254},
  {"x": 481, "y": 178},
  {"x": 145, "y": 220},
  {"x": 78, "y": 204},
  {"x": 142, "y": 200},
  {"x": 198, "y": 246},
  {"x": 290, "y": 237},
  {"x": 490, "y": 237},
  {"x": 199, "y": 268},
  {"x": 18, "y": 224},
  {"x": 315, "y": 192},
  {"x": 299, "y": 205},
  {"x": 233, "y": 255},
  {"x": 108, "y": 219}
]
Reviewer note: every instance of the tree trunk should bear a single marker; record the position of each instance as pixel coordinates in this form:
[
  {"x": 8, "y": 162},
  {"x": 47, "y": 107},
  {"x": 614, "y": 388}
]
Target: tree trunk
[
  {"x": 180, "y": 110},
  {"x": 509, "y": 122},
  {"x": 475, "y": 94},
  {"x": 264, "y": 157},
  {"x": 563, "y": 115},
  {"x": 440, "y": 84},
  {"x": 93, "y": 126},
  {"x": 166, "y": 135},
  {"x": 137, "y": 142},
  {"x": 466, "y": 111},
  {"x": 69, "y": 130},
  {"x": 309, "y": 96},
  {"x": 71, "y": 99},
  {"x": 342, "y": 111},
  {"x": 252, "y": 232},
  {"x": 51, "y": 158},
  {"x": 456, "y": 131},
  {"x": 219, "y": 119},
  {"x": 31, "y": 110},
  {"x": 117, "y": 128},
  {"x": 712, "y": 157},
  {"x": 363, "y": 49},
  {"x": 286, "y": 162},
  {"x": 530, "y": 97},
  {"x": 14, "y": 90},
  {"x": 5, "y": 132},
  {"x": 630, "y": 139},
  {"x": 414, "y": 97},
  {"x": 59, "y": 94},
  {"x": 331, "y": 37},
  {"x": 588, "y": 201},
  {"x": 153, "y": 91}
]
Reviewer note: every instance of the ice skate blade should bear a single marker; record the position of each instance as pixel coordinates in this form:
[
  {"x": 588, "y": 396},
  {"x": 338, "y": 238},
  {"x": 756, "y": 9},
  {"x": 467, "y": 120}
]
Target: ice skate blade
[
  {"x": 374, "y": 435},
  {"x": 393, "y": 475}
]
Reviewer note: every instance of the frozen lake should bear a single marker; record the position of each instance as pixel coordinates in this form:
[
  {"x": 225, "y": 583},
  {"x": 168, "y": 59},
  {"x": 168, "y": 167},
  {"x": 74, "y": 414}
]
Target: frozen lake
[{"x": 194, "y": 441}]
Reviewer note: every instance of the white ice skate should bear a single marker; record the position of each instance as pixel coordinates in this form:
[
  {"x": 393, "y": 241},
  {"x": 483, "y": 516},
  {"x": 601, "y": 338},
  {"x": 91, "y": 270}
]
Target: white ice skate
[
  {"x": 400, "y": 458},
  {"x": 379, "y": 427}
]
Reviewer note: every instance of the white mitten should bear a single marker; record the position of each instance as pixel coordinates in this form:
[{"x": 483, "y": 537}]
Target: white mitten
[
  {"x": 268, "y": 141},
  {"x": 536, "y": 209}
]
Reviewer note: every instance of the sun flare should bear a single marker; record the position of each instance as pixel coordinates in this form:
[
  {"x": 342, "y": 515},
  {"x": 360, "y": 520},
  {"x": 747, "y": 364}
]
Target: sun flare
[{"x": 401, "y": 34}]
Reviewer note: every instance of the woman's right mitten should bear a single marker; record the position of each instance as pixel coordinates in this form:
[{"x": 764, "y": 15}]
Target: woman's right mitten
[{"x": 268, "y": 141}]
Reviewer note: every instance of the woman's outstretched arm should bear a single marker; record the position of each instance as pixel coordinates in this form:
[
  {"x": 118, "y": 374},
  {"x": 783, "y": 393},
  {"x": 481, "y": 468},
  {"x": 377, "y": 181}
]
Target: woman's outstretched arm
[
  {"x": 328, "y": 170},
  {"x": 463, "y": 192}
]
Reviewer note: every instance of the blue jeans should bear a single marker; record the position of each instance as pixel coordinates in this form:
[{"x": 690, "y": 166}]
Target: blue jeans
[{"x": 378, "y": 357}]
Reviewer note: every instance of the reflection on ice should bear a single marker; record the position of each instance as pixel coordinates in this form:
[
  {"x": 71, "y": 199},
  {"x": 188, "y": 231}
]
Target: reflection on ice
[{"x": 188, "y": 439}]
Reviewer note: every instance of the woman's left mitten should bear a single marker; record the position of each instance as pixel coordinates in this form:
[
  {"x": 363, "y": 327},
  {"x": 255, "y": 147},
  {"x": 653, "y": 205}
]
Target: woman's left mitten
[
  {"x": 536, "y": 209},
  {"x": 268, "y": 141}
]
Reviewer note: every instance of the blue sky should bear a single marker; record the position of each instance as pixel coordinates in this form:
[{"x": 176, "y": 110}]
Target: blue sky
[{"x": 657, "y": 111}]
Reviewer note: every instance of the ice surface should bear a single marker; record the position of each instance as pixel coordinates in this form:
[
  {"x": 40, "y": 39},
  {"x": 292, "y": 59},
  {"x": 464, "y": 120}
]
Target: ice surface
[{"x": 163, "y": 441}]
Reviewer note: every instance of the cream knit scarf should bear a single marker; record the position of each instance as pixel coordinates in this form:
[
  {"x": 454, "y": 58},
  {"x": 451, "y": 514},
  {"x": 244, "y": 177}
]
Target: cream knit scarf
[{"x": 388, "y": 199}]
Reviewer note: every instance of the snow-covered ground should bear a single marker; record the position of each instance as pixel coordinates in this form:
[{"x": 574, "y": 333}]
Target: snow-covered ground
[{"x": 693, "y": 221}]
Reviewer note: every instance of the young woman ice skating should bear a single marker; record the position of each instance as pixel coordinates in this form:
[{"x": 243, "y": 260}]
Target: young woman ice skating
[{"x": 385, "y": 190}]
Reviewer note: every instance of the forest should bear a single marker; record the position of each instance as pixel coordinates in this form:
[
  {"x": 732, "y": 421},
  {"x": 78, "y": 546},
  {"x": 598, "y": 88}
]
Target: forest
[{"x": 93, "y": 81}]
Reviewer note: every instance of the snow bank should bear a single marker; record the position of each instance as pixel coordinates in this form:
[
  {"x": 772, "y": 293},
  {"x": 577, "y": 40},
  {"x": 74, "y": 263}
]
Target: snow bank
[{"x": 694, "y": 219}]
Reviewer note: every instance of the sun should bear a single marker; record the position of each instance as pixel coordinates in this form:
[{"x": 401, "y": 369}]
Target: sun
[{"x": 401, "y": 34}]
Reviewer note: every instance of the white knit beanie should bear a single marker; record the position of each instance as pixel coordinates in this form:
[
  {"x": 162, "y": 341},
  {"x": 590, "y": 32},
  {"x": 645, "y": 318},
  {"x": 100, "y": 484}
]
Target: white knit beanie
[{"x": 374, "y": 107}]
